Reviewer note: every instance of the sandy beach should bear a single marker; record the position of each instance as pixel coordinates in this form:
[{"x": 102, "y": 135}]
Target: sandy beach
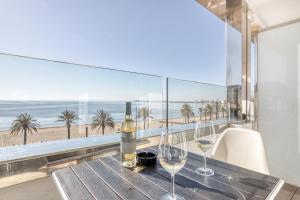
[
  {"x": 78, "y": 131},
  {"x": 59, "y": 133}
]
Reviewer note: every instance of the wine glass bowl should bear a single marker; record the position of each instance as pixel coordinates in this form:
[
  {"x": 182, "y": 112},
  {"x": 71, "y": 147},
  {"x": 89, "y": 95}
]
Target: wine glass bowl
[
  {"x": 172, "y": 155},
  {"x": 205, "y": 138}
]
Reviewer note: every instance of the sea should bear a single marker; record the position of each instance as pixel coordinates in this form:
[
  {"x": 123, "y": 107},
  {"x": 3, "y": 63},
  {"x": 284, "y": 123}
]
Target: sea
[{"x": 46, "y": 112}]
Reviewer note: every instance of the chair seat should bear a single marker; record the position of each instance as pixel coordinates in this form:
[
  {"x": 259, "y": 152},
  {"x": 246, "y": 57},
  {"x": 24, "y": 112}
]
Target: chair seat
[{"x": 242, "y": 147}]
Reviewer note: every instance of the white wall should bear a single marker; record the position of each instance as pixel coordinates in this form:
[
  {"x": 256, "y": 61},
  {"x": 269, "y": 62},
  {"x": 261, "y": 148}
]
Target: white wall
[
  {"x": 278, "y": 99},
  {"x": 233, "y": 56}
]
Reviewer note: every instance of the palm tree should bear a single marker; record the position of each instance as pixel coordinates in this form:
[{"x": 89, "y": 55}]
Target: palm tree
[
  {"x": 86, "y": 131},
  {"x": 69, "y": 117},
  {"x": 144, "y": 113},
  {"x": 200, "y": 110},
  {"x": 24, "y": 123},
  {"x": 217, "y": 108},
  {"x": 223, "y": 110},
  {"x": 187, "y": 112},
  {"x": 102, "y": 120},
  {"x": 210, "y": 110},
  {"x": 206, "y": 112}
]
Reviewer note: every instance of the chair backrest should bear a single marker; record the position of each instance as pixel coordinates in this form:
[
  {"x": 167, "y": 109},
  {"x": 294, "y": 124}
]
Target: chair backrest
[{"x": 242, "y": 147}]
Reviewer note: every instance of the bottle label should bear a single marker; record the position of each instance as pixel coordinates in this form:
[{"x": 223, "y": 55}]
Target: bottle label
[
  {"x": 128, "y": 143},
  {"x": 128, "y": 148}
]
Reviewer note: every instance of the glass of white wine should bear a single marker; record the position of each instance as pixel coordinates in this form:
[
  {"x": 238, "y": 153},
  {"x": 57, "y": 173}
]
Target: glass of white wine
[
  {"x": 172, "y": 155},
  {"x": 205, "y": 138}
]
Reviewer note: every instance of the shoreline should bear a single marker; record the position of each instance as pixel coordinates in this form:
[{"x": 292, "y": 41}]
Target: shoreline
[{"x": 79, "y": 131}]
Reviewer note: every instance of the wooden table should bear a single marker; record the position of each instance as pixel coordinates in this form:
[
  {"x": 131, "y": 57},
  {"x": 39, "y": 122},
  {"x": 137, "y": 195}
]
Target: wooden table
[{"x": 107, "y": 179}]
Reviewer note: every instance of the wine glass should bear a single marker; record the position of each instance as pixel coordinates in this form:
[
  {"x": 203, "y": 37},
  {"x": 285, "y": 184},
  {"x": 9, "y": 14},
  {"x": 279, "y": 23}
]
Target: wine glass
[
  {"x": 172, "y": 155},
  {"x": 205, "y": 138}
]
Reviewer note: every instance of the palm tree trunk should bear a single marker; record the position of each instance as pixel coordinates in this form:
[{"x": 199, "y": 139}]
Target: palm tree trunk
[
  {"x": 103, "y": 130},
  {"x": 223, "y": 115},
  {"x": 25, "y": 136},
  {"x": 86, "y": 132},
  {"x": 69, "y": 133},
  {"x": 188, "y": 119},
  {"x": 144, "y": 124}
]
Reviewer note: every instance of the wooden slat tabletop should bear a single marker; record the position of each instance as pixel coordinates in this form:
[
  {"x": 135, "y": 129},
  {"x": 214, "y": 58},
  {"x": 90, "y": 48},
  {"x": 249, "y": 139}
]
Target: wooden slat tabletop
[{"x": 107, "y": 179}]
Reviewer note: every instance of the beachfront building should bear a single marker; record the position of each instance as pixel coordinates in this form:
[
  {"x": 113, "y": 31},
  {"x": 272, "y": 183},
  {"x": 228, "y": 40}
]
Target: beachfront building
[
  {"x": 221, "y": 69},
  {"x": 234, "y": 97}
]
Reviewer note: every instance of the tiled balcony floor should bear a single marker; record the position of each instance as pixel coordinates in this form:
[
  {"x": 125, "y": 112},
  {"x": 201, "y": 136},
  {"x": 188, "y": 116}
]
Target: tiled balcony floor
[
  {"x": 43, "y": 188},
  {"x": 289, "y": 192}
]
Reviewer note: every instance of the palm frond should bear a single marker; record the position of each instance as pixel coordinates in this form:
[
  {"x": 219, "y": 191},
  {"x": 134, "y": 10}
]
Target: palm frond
[
  {"x": 102, "y": 120},
  {"x": 186, "y": 110},
  {"x": 67, "y": 116},
  {"x": 144, "y": 113},
  {"x": 23, "y": 122}
]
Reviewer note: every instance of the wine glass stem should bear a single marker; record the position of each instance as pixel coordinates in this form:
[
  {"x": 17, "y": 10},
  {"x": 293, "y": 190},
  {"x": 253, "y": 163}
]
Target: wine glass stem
[
  {"x": 173, "y": 186},
  {"x": 204, "y": 157}
]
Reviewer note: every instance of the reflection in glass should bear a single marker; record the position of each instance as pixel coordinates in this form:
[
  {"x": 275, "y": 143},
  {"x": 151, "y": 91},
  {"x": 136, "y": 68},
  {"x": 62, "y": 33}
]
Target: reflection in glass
[{"x": 65, "y": 99}]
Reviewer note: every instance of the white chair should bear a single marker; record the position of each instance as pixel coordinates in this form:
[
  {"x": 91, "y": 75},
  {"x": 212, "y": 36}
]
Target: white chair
[{"x": 241, "y": 147}]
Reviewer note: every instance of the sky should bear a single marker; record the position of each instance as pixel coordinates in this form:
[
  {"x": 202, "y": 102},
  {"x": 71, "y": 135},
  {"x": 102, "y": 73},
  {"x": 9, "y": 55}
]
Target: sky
[{"x": 170, "y": 38}]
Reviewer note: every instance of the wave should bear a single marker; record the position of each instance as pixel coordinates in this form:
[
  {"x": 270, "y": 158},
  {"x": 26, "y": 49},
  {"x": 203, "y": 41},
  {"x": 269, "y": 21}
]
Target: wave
[{"x": 46, "y": 112}]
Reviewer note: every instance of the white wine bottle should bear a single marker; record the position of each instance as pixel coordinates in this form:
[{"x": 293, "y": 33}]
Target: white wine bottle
[{"x": 128, "y": 140}]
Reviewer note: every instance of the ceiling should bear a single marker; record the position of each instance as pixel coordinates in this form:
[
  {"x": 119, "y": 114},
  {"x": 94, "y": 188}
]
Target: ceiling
[{"x": 274, "y": 12}]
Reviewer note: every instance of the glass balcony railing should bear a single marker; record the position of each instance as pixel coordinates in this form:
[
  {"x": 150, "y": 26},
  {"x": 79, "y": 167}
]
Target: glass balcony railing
[
  {"x": 61, "y": 101},
  {"x": 190, "y": 102}
]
